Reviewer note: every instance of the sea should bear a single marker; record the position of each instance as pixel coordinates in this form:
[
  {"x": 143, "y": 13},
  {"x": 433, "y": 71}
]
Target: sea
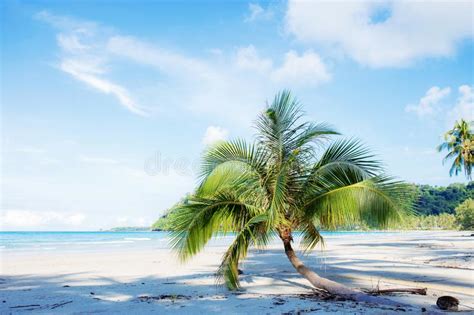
[{"x": 90, "y": 241}]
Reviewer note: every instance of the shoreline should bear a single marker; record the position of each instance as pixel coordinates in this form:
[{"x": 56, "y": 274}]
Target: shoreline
[{"x": 146, "y": 279}]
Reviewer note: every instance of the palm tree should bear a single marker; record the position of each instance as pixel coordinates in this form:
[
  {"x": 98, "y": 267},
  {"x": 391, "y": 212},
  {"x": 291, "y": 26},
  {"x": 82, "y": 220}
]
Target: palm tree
[
  {"x": 281, "y": 183},
  {"x": 459, "y": 141}
]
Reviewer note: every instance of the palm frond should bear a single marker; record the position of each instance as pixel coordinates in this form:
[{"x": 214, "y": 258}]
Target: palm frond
[
  {"x": 283, "y": 182},
  {"x": 309, "y": 133},
  {"x": 377, "y": 200},
  {"x": 254, "y": 232},
  {"x": 347, "y": 154},
  {"x": 277, "y": 123},
  {"x": 225, "y": 176},
  {"x": 279, "y": 200},
  {"x": 455, "y": 141},
  {"x": 197, "y": 221},
  {"x": 237, "y": 152},
  {"x": 310, "y": 236}
]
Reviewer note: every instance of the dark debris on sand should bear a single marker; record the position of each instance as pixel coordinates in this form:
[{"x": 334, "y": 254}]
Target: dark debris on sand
[{"x": 163, "y": 297}]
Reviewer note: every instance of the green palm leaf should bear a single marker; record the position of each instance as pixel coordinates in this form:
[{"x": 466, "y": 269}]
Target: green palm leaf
[
  {"x": 290, "y": 179},
  {"x": 459, "y": 142},
  {"x": 375, "y": 200},
  {"x": 198, "y": 220},
  {"x": 254, "y": 232}
]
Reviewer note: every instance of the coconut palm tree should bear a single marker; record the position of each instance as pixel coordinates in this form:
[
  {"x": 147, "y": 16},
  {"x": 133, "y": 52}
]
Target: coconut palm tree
[
  {"x": 291, "y": 178},
  {"x": 459, "y": 141}
]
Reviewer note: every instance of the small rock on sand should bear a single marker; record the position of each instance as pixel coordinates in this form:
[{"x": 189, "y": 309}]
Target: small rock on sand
[{"x": 447, "y": 303}]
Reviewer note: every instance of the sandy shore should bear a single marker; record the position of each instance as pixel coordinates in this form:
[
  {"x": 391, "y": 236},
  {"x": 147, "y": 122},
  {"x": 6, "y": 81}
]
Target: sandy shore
[{"x": 150, "y": 280}]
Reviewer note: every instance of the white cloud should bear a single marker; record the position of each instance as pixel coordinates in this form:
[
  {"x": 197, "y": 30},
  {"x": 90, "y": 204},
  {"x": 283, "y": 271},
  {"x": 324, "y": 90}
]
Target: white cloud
[
  {"x": 49, "y": 161},
  {"x": 79, "y": 71},
  {"x": 307, "y": 69},
  {"x": 464, "y": 107},
  {"x": 428, "y": 103},
  {"x": 231, "y": 85},
  {"x": 75, "y": 219},
  {"x": 38, "y": 219},
  {"x": 71, "y": 43},
  {"x": 383, "y": 33},
  {"x": 248, "y": 59},
  {"x": 29, "y": 149},
  {"x": 34, "y": 154},
  {"x": 214, "y": 134},
  {"x": 66, "y": 22},
  {"x": 97, "y": 160},
  {"x": 164, "y": 60},
  {"x": 134, "y": 221},
  {"x": 83, "y": 58},
  {"x": 257, "y": 12}
]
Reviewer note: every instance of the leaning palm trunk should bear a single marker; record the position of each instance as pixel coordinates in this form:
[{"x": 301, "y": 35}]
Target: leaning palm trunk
[
  {"x": 330, "y": 286},
  {"x": 282, "y": 183},
  {"x": 317, "y": 281}
]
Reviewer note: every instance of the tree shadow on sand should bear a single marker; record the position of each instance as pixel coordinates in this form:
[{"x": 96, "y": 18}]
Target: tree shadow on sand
[{"x": 189, "y": 294}]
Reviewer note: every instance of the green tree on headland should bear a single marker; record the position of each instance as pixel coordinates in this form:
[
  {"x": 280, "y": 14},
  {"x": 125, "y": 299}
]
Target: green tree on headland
[
  {"x": 465, "y": 214},
  {"x": 293, "y": 177},
  {"x": 434, "y": 205},
  {"x": 459, "y": 142},
  {"x": 436, "y": 200},
  {"x": 164, "y": 223}
]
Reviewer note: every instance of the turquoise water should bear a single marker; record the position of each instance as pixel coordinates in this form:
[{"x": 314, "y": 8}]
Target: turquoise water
[
  {"x": 72, "y": 241},
  {"x": 27, "y": 241}
]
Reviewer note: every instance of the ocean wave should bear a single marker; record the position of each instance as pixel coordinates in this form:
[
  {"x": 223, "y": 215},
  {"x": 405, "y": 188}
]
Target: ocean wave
[
  {"x": 105, "y": 242},
  {"x": 137, "y": 238}
]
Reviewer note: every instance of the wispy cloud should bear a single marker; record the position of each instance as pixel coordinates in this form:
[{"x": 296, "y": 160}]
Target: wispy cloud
[
  {"x": 83, "y": 58},
  {"x": 79, "y": 71},
  {"x": 34, "y": 153},
  {"x": 431, "y": 104},
  {"x": 464, "y": 107},
  {"x": 133, "y": 221},
  {"x": 97, "y": 160},
  {"x": 257, "y": 12},
  {"x": 231, "y": 85},
  {"x": 428, "y": 104},
  {"x": 167, "y": 61},
  {"x": 14, "y": 218},
  {"x": 29, "y": 149}
]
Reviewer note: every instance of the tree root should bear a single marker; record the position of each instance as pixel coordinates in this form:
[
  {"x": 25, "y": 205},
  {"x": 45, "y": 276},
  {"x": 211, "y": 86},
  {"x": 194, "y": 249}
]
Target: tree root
[{"x": 419, "y": 291}]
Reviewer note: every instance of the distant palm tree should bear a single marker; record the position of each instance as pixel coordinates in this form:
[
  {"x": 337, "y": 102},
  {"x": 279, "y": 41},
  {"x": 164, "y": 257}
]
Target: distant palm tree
[
  {"x": 284, "y": 182},
  {"x": 459, "y": 141}
]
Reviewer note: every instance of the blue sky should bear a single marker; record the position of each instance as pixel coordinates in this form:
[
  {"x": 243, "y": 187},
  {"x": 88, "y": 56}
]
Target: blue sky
[{"x": 107, "y": 106}]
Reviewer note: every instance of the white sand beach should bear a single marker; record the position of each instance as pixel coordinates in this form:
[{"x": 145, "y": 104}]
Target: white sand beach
[{"x": 144, "y": 279}]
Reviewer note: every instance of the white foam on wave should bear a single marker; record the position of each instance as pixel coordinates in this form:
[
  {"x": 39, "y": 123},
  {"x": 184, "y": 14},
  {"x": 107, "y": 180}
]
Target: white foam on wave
[
  {"x": 137, "y": 238},
  {"x": 106, "y": 242}
]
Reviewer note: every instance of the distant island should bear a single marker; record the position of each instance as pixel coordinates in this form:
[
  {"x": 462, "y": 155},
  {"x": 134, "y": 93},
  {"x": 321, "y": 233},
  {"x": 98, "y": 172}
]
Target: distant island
[{"x": 130, "y": 229}]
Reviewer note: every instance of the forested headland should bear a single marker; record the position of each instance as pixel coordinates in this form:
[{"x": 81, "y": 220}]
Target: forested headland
[{"x": 435, "y": 208}]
